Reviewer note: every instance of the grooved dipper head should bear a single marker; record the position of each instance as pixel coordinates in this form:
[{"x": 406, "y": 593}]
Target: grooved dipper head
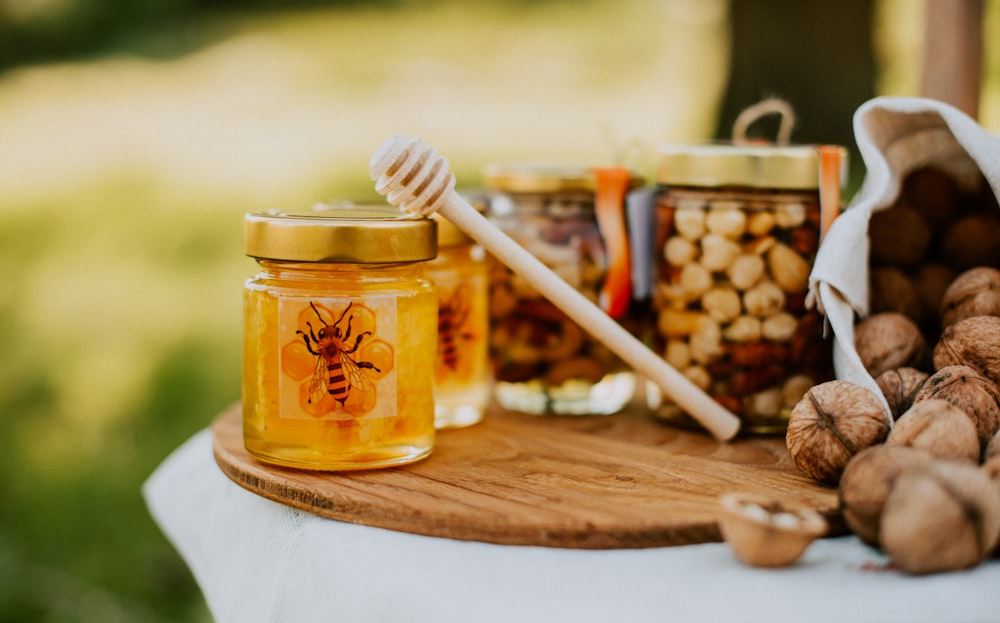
[{"x": 411, "y": 175}]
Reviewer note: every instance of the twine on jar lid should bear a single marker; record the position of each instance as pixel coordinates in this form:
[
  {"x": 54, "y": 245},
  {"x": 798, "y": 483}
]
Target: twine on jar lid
[{"x": 769, "y": 106}]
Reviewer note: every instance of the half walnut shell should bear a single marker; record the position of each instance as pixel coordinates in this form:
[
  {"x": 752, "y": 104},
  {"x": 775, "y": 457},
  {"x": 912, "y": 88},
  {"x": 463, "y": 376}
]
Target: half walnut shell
[{"x": 765, "y": 533}]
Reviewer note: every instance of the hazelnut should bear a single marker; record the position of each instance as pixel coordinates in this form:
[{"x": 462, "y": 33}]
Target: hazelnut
[
  {"x": 968, "y": 390},
  {"x": 939, "y": 428},
  {"x": 690, "y": 222},
  {"x": 973, "y": 342},
  {"x": 764, "y": 299},
  {"x": 899, "y": 386},
  {"x": 728, "y": 221},
  {"x": 745, "y": 271},
  {"x": 718, "y": 252},
  {"x": 866, "y": 483},
  {"x": 766, "y": 533},
  {"x": 976, "y": 292},
  {"x": 834, "y": 421},
  {"x": 760, "y": 222},
  {"x": 679, "y": 251},
  {"x": 789, "y": 215},
  {"x": 889, "y": 340},
  {"x": 940, "y": 517}
]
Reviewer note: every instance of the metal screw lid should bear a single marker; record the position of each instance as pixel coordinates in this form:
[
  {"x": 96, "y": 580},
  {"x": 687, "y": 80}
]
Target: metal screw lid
[{"x": 377, "y": 234}]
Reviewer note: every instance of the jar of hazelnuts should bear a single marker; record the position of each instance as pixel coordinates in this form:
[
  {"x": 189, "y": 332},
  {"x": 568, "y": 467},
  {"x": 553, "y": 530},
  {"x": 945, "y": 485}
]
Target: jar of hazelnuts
[{"x": 737, "y": 230}]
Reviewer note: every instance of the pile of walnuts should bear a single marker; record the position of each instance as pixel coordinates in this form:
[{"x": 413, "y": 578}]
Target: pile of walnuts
[{"x": 927, "y": 488}]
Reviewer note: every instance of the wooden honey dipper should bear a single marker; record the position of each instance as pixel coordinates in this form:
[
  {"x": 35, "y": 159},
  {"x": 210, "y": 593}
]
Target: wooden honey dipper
[{"x": 413, "y": 177}]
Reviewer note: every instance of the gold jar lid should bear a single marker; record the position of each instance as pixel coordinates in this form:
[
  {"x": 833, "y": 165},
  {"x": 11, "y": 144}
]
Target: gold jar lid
[
  {"x": 354, "y": 234},
  {"x": 539, "y": 178},
  {"x": 713, "y": 165}
]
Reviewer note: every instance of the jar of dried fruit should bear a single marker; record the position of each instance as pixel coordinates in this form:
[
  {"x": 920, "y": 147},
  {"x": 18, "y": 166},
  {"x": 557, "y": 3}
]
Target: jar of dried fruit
[
  {"x": 738, "y": 227},
  {"x": 573, "y": 219}
]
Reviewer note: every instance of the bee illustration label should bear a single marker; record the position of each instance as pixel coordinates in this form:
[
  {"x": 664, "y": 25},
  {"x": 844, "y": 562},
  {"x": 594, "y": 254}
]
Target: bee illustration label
[
  {"x": 454, "y": 331},
  {"x": 337, "y": 357}
]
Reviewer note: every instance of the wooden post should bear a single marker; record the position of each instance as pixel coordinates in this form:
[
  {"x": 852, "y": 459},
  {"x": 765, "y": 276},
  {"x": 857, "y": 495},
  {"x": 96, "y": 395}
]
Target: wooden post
[{"x": 953, "y": 50}]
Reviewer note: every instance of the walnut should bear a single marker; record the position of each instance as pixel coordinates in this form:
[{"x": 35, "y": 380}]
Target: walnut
[
  {"x": 976, "y": 292},
  {"x": 765, "y": 533},
  {"x": 968, "y": 390},
  {"x": 899, "y": 235},
  {"x": 899, "y": 386},
  {"x": 931, "y": 282},
  {"x": 889, "y": 340},
  {"x": 939, "y": 428},
  {"x": 866, "y": 483},
  {"x": 992, "y": 448},
  {"x": 833, "y": 422},
  {"x": 940, "y": 517},
  {"x": 932, "y": 193},
  {"x": 991, "y": 467},
  {"x": 891, "y": 290},
  {"x": 971, "y": 240},
  {"x": 973, "y": 342}
]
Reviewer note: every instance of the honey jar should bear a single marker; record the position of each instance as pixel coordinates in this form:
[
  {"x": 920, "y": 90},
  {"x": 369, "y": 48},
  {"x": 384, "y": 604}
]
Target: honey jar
[
  {"x": 737, "y": 230},
  {"x": 339, "y": 325},
  {"x": 543, "y": 362},
  {"x": 462, "y": 374}
]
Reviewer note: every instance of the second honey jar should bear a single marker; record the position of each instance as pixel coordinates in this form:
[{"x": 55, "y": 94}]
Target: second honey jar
[{"x": 462, "y": 390}]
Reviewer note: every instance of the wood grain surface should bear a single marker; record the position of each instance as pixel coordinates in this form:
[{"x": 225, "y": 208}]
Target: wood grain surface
[{"x": 620, "y": 481}]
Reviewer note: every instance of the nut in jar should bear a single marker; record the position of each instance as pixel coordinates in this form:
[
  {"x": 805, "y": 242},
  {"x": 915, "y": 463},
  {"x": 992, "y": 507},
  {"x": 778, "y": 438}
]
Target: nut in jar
[
  {"x": 573, "y": 219},
  {"x": 737, "y": 230}
]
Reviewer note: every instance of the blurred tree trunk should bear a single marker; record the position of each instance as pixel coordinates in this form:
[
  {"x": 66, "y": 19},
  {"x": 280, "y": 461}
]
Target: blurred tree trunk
[
  {"x": 953, "y": 49},
  {"x": 815, "y": 54}
]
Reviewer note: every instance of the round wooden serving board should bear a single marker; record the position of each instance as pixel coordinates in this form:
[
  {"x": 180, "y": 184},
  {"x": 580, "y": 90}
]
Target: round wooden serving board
[{"x": 620, "y": 481}]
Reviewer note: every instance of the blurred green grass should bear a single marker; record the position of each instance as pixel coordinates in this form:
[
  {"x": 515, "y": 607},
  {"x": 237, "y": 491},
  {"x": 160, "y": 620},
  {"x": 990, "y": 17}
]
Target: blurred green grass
[
  {"x": 123, "y": 181},
  {"x": 124, "y": 178}
]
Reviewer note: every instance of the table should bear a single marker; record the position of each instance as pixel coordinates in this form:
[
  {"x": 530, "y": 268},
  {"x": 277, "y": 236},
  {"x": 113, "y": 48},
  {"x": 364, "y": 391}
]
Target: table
[{"x": 259, "y": 560}]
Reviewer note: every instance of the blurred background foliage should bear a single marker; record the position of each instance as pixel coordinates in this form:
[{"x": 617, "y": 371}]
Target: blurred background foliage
[{"x": 134, "y": 134}]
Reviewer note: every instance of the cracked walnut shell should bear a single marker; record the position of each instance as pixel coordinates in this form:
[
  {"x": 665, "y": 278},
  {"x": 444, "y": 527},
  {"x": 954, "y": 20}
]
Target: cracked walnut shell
[{"x": 765, "y": 533}]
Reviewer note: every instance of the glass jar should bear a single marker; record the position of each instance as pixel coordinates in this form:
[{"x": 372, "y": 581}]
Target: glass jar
[
  {"x": 543, "y": 362},
  {"x": 462, "y": 375},
  {"x": 737, "y": 230},
  {"x": 338, "y": 327}
]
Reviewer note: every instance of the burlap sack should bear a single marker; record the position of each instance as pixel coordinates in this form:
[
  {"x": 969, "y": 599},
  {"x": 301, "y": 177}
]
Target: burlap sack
[{"x": 895, "y": 136}]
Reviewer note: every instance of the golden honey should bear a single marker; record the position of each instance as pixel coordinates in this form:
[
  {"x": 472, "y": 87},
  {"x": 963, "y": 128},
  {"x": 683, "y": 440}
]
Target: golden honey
[
  {"x": 461, "y": 373},
  {"x": 338, "y": 326}
]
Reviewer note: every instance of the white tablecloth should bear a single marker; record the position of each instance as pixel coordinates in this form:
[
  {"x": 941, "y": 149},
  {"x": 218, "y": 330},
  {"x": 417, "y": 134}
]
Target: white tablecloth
[{"x": 257, "y": 560}]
